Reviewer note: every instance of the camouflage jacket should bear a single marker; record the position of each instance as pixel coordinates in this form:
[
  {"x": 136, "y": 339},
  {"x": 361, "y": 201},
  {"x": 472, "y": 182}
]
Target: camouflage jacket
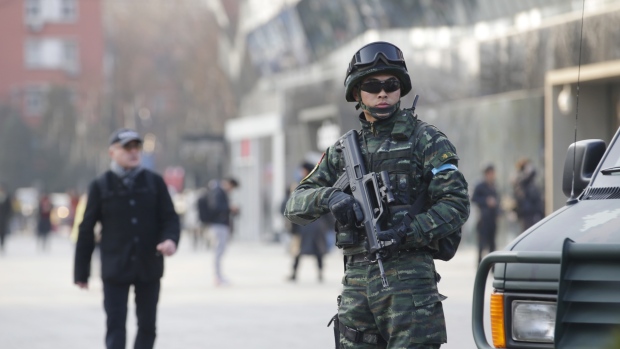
[{"x": 411, "y": 163}]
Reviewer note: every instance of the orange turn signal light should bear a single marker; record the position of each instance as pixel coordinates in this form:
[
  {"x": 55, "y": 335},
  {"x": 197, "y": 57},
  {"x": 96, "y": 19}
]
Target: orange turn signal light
[{"x": 497, "y": 320}]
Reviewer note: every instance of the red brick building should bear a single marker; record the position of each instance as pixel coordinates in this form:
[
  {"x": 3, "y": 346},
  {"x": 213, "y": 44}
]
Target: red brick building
[{"x": 50, "y": 42}]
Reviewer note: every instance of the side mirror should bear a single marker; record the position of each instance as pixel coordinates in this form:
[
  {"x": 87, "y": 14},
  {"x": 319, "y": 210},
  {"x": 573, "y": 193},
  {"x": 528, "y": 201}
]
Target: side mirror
[{"x": 581, "y": 161}]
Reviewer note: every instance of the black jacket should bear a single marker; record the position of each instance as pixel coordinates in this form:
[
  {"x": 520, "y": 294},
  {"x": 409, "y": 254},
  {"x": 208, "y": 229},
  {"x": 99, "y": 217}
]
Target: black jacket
[
  {"x": 487, "y": 224},
  {"x": 214, "y": 207},
  {"x": 6, "y": 211},
  {"x": 133, "y": 222}
]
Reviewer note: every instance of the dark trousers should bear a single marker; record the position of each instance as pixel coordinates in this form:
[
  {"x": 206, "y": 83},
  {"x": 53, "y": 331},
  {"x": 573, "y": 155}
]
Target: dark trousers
[
  {"x": 486, "y": 236},
  {"x": 115, "y": 298},
  {"x": 319, "y": 262}
]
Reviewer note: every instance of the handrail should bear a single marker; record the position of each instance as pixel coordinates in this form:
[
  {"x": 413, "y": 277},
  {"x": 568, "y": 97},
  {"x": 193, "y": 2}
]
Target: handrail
[{"x": 481, "y": 278}]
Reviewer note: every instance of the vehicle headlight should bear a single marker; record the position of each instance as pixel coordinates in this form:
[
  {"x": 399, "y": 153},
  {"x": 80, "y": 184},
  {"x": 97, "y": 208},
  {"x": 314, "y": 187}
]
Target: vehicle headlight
[{"x": 533, "y": 321}]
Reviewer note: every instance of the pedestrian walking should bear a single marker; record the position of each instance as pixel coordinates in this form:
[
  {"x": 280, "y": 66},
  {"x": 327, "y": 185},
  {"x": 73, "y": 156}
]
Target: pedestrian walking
[
  {"x": 201, "y": 235},
  {"x": 78, "y": 217},
  {"x": 310, "y": 239},
  {"x": 74, "y": 200},
  {"x": 420, "y": 161},
  {"x": 486, "y": 198},
  {"x": 44, "y": 221},
  {"x": 191, "y": 218},
  {"x": 528, "y": 197},
  {"x": 138, "y": 228},
  {"x": 6, "y": 211},
  {"x": 217, "y": 212}
]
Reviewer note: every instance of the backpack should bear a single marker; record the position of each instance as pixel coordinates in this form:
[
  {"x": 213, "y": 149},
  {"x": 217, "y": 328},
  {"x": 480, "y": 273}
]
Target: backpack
[
  {"x": 447, "y": 245},
  {"x": 205, "y": 209}
]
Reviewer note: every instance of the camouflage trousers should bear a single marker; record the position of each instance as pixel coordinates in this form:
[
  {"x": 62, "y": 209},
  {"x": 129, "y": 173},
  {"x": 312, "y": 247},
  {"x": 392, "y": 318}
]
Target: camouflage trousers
[{"x": 408, "y": 314}]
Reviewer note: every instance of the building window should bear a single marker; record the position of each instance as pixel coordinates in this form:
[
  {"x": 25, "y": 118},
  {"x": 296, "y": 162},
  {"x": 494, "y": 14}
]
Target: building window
[
  {"x": 31, "y": 54},
  {"x": 71, "y": 62},
  {"x": 33, "y": 9},
  {"x": 52, "y": 53},
  {"x": 68, "y": 10},
  {"x": 38, "y": 12},
  {"x": 34, "y": 100}
]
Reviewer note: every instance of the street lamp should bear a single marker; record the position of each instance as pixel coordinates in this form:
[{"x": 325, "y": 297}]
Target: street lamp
[{"x": 565, "y": 100}]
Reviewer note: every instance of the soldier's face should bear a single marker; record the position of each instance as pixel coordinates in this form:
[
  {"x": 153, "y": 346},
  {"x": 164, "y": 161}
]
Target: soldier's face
[
  {"x": 127, "y": 156},
  {"x": 381, "y": 99}
]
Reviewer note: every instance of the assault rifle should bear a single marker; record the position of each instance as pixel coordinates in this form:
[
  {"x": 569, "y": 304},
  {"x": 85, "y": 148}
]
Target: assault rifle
[{"x": 373, "y": 192}]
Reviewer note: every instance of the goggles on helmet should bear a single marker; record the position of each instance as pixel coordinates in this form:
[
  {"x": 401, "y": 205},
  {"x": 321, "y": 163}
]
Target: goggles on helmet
[
  {"x": 375, "y": 86},
  {"x": 371, "y": 53}
]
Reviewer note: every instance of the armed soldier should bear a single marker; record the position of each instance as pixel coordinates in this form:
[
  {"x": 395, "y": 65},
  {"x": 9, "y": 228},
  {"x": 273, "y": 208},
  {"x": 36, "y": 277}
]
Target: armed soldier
[{"x": 422, "y": 222}]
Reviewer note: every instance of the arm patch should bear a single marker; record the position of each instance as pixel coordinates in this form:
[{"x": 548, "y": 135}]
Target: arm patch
[
  {"x": 444, "y": 167},
  {"x": 314, "y": 169},
  {"x": 444, "y": 158}
]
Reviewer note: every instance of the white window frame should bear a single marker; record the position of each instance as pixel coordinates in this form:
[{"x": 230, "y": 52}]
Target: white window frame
[
  {"x": 39, "y": 12},
  {"x": 69, "y": 10},
  {"x": 31, "y": 54},
  {"x": 71, "y": 56},
  {"x": 30, "y": 5},
  {"x": 68, "y": 58}
]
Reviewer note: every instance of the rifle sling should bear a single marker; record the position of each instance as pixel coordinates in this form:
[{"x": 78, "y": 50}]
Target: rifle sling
[{"x": 414, "y": 209}]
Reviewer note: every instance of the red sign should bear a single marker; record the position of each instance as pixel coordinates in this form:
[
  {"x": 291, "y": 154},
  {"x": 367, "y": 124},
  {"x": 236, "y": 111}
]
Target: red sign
[
  {"x": 245, "y": 148},
  {"x": 174, "y": 177}
]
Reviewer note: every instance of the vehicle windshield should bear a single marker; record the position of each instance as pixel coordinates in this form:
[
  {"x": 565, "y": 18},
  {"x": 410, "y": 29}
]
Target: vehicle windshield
[{"x": 609, "y": 176}]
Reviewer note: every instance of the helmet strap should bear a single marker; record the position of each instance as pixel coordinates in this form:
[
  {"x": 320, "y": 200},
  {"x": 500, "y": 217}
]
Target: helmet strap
[{"x": 376, "y": 111}]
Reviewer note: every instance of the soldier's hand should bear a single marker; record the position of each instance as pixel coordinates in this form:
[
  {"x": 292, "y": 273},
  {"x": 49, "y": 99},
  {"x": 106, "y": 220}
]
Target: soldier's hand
[
  {"x": 396, "y": 236},
  {"x": 344, "y": 208},
  {"x": 82, "y": 285}
]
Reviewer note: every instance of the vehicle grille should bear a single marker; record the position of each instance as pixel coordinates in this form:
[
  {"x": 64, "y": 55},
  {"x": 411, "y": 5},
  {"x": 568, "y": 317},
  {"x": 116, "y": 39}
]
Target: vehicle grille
[
  {"x": 602, "y": 193},
  {"x": 588, "y": 312}
]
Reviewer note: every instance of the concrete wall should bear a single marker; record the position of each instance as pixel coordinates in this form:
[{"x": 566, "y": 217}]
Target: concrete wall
[
  {"x": 597, "y": 117},
  {"x": 496, "y": 130}
]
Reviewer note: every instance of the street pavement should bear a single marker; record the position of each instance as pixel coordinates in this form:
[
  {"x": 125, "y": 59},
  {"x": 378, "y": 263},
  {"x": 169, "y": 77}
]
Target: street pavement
[{"x": 40, "y": 308}]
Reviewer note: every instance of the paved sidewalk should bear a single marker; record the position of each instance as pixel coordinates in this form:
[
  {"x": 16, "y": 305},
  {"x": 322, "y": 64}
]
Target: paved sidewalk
[{"x": 41, "y": 308}]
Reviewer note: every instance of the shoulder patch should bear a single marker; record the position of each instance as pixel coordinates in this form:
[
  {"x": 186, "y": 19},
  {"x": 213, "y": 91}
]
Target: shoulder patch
[
  {"x": 315, "y": 167},
  {"x": 443, "y": 158}
]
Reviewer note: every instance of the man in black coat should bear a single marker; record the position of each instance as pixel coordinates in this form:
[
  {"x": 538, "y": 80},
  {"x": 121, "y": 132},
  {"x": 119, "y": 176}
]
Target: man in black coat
[
  {"x": 138, "y": 227},
  {"x": 486, "y": 198}
]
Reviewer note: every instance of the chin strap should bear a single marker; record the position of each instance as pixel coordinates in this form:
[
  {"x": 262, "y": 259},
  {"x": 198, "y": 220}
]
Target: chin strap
[{"x": 385, "y": 112}]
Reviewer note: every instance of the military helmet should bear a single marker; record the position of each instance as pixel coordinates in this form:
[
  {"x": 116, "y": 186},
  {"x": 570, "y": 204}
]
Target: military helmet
[{"x": 377, "y": 57}]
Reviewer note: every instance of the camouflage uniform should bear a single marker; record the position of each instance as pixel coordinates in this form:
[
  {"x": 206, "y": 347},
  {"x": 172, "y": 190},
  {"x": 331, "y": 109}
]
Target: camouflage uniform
[{"x": 408, "y": 313}]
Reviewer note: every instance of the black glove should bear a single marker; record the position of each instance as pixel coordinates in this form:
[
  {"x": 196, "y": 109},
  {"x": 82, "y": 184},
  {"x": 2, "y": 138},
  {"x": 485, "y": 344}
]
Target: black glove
[
  {"x": 345, "y": 209},
  {"x": 396, "y": 236}
]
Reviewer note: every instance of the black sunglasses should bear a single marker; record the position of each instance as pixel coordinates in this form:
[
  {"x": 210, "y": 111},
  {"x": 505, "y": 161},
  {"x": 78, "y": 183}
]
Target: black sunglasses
[{"x": 375, "y": 86}]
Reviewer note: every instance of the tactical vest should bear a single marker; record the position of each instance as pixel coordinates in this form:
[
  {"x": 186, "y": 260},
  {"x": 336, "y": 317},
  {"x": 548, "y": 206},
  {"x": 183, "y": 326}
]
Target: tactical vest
[{"x": 397, "y": 154}]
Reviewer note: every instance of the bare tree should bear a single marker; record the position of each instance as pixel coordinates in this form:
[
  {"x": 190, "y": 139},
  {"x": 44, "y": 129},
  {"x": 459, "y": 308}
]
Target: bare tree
[
  {"x": 165, "y": 76},
  {"x": 16, "y": 149}
]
